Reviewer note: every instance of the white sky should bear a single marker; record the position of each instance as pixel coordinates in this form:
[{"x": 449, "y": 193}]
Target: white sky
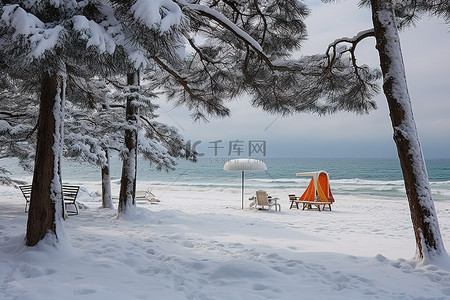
[{"x": 342, "y": 135}]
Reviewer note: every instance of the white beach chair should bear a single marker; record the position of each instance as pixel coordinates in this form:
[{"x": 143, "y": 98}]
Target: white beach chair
[
  {"x": 262, "y": 201},
  {"x": 147, "y": 196}
]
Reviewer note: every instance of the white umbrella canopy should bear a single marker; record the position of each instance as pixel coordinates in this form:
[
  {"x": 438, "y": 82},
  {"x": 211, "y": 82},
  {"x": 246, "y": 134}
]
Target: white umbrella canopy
[{"x": 244, "y": 164}]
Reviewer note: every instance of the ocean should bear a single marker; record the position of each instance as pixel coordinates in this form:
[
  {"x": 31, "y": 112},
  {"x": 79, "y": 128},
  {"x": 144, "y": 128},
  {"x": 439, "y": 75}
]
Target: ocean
[
  {"x": 379, "y": 178},
  {"x": 363, "y": 178}
]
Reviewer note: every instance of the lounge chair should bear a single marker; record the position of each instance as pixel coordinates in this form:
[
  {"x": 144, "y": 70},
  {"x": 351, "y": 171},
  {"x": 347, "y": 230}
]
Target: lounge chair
[
  {"x": 316, "y": 194},
  {"x": 262, "y": 201},
  {"x": 309, "y": 204},
  {"x": 146, "y": 195}
]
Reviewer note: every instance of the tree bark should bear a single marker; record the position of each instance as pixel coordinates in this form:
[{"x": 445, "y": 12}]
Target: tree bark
[
  {"x": 423, "y": 214},
  {"x": 129, "y": 168},
  {"x": 106, "y": 183},
  {"x": 46, "y": 205}
]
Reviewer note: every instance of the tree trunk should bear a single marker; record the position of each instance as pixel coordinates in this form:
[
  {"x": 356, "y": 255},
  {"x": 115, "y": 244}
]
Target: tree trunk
[
  {"x": 426, "y": 228},
  {"x": 106, "y": 183},
  {"x": 128, "y": 179},
  {"x": 46, "y": 205}
]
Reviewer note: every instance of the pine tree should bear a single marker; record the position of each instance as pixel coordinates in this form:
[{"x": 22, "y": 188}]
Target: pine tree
[
  {"x": 388, "y": 17},
  {"x": 50, "y": 39},
  {"x": 158, "y": 143}
]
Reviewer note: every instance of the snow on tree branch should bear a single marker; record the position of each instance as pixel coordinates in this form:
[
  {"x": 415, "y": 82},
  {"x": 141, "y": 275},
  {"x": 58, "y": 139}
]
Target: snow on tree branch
[
  {"x": 337, "y": 50},
  {"x": 226, "y": 23},
  {"x": 222, "y": 20},
  {"x": 157, "y": 14},
  {"x": 95, "y": 34},
  {"x": 27, "y": 25}
]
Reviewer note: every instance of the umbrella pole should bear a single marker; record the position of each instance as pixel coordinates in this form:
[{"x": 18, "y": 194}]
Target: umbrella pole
[{"x": 242, "y": 200}]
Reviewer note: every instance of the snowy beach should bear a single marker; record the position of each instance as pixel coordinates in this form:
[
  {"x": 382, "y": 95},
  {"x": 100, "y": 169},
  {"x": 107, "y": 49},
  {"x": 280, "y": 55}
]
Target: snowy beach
[
  {"x": 199, "y": 244},
  {"x": 97, "y": 96}
]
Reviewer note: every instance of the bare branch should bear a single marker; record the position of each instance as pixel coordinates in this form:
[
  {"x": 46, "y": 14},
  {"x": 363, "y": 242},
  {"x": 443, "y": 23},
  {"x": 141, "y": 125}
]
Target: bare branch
[
  {"x": 12, "y": 115},
  {"x": 204, "y": 58},
  {"x": 162, "y": 136},
  {"x": 175, "y": 75},
  {"x": 263, "y": 17}
]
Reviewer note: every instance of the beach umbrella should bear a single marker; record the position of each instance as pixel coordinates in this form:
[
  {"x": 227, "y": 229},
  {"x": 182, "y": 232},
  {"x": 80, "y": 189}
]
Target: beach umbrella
[{"x": 244, "y": 164}]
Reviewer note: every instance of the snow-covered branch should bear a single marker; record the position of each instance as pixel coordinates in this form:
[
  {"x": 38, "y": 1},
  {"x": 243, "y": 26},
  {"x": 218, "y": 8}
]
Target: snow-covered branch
[
  {"x": 157, "y": 14},
  {"x": 40, "y": 37},
  {"x": 95, "y": 34},
  {"x": 337, "y": 50},
  {"x": 230, "y": 26}
]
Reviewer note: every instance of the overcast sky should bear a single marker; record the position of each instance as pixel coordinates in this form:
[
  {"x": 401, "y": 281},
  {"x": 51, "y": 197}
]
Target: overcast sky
[{"x": 426, "y": 50}]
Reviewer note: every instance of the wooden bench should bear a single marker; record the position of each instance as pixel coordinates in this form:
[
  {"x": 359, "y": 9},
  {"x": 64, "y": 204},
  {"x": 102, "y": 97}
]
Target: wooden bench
[
  {"x": 309, "y": 204},
  {"x": 70, "y": 193}
]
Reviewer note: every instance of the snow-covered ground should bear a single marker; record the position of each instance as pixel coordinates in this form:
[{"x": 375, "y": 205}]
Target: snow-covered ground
[{"x": 201, "y": 245}]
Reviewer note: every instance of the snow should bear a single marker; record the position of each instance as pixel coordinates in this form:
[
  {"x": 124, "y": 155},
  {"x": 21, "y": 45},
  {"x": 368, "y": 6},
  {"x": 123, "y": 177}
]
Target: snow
[
  {"x": 199, "y": 244},
  {"x": 353, "y": 39},
  {"x": 222, "y": 19},
  {"x": 95, "y": 34},
  {"x": 162, "y": 14},
  {"x": 25, "y": 24},
  {"x": 138, "y": 59},
  {"x": 58, "y": 137},
  {"x": 4, "y": 127}
]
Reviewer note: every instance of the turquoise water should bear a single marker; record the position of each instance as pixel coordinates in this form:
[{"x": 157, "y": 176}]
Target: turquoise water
[
  {"x": 211, "y": 169},
  {"x": 375, "y": 177},
  {"x": 380, "y": 178}
]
